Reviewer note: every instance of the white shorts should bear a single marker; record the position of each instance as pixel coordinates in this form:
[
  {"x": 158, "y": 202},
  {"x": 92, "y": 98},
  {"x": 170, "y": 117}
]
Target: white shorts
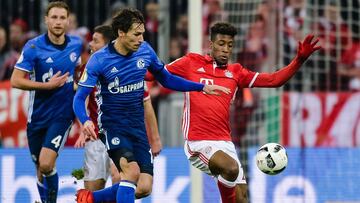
[
  {"x": 97, "y": 161},
  {"x": 200, "y": 152}
]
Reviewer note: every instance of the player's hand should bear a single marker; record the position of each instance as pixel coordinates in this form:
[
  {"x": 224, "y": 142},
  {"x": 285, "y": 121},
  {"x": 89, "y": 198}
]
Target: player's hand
[
  {"x": 156, "y": 147},
  {"x": 57, "y": 80},
  {"x": 89, "y": 130},
  {"x": 307, "y": 47},
  {"x": 216, "y": 89},
  {"x": 80, "y": 142}
]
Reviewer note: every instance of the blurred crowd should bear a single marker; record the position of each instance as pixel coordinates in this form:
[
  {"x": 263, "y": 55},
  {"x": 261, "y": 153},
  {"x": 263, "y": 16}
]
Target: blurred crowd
[{"x": 337, "y": 67}]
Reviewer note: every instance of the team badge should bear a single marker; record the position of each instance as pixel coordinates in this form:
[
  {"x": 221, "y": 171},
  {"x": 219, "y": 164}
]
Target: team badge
[
  {"x": 115, "y": 141},
  {"x": 140, "y": 63},
  {"x": 84, "y": 76},
  {"x": 228, "y": 74},
  {"x": 73, "y": 57}
]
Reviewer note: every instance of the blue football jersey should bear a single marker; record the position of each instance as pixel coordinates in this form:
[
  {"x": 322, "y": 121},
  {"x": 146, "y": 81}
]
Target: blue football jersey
[
  {"x": 42, "y": 59},
  {"x": 120, "y": 83}
]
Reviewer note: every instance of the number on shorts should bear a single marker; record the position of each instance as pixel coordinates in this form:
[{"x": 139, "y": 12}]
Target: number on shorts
[{"x": 56, "y": 141}]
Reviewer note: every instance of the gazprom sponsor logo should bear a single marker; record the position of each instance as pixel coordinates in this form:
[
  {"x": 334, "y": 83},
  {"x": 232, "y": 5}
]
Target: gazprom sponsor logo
[{"x": 115, "y": 88}]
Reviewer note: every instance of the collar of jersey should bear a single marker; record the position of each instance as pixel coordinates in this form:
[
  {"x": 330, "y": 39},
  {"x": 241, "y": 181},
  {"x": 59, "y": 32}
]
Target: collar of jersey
[
  {"x": 113, "y": 50},
  {"x": 57, "y": 46},
  {"x": 210, "y": 59}
]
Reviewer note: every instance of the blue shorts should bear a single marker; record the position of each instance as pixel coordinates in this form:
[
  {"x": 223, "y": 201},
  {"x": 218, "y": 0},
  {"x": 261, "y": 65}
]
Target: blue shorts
[
  {"x": 132, "y": 147},
  {"x": 52, "y": 136}
]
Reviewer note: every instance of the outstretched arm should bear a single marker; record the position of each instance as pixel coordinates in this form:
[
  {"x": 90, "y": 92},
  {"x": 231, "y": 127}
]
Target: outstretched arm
[
  {"x": 280, "y": 77},
  {"x": 179, "y": 84}
]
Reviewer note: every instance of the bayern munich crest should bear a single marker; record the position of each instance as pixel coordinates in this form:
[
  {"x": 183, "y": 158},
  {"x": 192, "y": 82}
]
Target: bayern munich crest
[
  {"x": 140, "y": 63},
  {"x": 228, "y": 74}
]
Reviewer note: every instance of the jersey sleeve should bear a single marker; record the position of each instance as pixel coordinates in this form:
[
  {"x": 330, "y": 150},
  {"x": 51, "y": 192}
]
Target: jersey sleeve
[
  {"x": 91, "y": 72},
  {"x": 246, "y": 77},
  {"x": 156, "y": 64},
  {"x": 178, "y": 67},
  {"x": 26, "y": 61}
]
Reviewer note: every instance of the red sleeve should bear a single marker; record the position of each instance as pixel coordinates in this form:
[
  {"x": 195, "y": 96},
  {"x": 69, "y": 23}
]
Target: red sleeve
[
  {"x": 278, "y": 78},
  {"x": 247, "y": 77},
  {"x": 179, "y": 67}
]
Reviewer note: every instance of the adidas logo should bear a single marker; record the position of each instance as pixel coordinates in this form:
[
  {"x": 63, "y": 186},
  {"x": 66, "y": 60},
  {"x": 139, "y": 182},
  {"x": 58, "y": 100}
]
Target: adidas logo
[
  {"x": 201, "y": 70},
  {"x": 114, "y": 70},
  {"x": 49, "y": 60}
]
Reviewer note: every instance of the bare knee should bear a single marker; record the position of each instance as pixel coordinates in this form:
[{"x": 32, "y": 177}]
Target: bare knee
[
  {"x": 142, "y": 192},
  {"x": 46, "y": 168},
  {"x": 130, "y": 170},
  {"x": 230, "y": 172}
]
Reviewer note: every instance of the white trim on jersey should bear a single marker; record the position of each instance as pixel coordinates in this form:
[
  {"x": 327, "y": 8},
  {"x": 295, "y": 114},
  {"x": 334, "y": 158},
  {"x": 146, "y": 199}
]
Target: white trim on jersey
[
  {"x": 253, "y": 80},
  {"x": 65, "y": 136},
  {"x": 186, "y": 116},
  {"x": 31, "y": 99},
  {"x": 17, "y": 67},
  {"x": 86, "y": 85}
]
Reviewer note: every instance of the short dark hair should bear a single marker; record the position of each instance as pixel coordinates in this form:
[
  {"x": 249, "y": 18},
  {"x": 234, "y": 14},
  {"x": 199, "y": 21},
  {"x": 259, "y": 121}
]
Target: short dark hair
[
  {"x": 125, "y": 18},
  {"x": 106, "y": 32},
  {"x": 57, "y": 4},
  {"x": 223, "y": 28}
]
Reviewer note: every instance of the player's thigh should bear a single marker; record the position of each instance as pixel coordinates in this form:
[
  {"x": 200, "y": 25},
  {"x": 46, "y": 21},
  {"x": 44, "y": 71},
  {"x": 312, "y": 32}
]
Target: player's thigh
[
  {"x": 47, "y": 159},
  {"x": 96, "y": 161},
  {"x": 57, "y": 134},
  {"x": 221, "y": 162},
  {"x": 36, "y": 138}
]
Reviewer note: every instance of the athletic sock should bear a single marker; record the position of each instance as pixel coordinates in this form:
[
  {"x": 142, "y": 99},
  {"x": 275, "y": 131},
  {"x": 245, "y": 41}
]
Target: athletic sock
[
  {"x": 126, "y": 192},
  {"x": 52, "y": 181},
  {"x": 227, "y": 190},
  {"x": 42, "y": 190},
  {"x": 107, "y": 194}
]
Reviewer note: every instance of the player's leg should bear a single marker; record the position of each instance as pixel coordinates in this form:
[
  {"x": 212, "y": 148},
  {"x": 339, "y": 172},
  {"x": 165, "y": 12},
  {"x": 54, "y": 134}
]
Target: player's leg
[
  {"x": 241, "y": 193},
  {"x": 35, "y": 137},
  {"x": 96, "y": 165},
  {"x": 217, "y": 158},
  {"x": 55, "y": 139}
]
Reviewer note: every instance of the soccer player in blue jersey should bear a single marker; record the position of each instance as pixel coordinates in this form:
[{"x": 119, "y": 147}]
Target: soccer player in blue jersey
[
  {"x": 46, "y": 68},
  {"x": 118, "y": 70}
]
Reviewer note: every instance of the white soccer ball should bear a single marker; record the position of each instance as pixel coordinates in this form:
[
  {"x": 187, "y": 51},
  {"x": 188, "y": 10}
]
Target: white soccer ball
[{"x": 271, "y": 158}]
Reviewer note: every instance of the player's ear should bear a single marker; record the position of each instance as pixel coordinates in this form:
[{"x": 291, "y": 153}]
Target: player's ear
[
  {"x": 121, "y": 33},
  {"x": 211, "y": 44}
]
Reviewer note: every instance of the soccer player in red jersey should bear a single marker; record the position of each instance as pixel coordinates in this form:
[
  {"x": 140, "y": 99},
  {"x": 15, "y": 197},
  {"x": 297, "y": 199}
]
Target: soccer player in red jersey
[{"x": 205, "y": 125}]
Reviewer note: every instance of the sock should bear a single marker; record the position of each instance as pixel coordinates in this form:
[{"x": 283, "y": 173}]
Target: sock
[
  {"x": 52, "y": 181},
  {"x": 107, "y": 194},
  {"x": 126, "y": 192},
  {"x": 42, "y": 190},
  {"x": 227, "y": 190}
]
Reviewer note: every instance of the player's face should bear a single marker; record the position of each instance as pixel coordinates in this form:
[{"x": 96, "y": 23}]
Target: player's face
[
  {"x": 133, "y": 38},
  {"x": 57, "y": 20},
  {"x": 97, "y": 42},
  {"x": 221, "y": 48}
]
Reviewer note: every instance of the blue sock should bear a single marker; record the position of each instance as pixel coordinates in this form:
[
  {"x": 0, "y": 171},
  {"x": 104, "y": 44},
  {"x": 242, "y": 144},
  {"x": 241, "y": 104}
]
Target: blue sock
[
  {"x": 107, "y": 194},
  {"x": 126, "y": 192},
  {"x": 52, "y": 181},
  {"x": 42, "y": 190}
]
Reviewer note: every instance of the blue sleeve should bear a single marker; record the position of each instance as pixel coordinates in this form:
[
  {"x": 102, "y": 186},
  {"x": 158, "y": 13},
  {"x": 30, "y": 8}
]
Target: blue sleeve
[
  {"x": 90, "y": 75},
  {"x": 79, "y": 103},
  {"x": 169, "y": 80},
  {"x": 176, "y": 83},
  {"x": 26, "y": 61}
]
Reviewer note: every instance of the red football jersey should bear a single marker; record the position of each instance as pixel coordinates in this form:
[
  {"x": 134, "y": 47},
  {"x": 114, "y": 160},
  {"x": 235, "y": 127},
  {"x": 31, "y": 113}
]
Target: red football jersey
[{"x": 206, "y": 117}]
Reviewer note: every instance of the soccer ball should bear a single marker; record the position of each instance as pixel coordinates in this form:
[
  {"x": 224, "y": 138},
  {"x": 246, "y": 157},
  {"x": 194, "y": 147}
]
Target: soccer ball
[{"x": 271, "y": 158}]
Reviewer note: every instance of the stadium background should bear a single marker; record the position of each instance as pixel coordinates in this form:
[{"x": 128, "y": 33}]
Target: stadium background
[{"x": 316, "y": 115}]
